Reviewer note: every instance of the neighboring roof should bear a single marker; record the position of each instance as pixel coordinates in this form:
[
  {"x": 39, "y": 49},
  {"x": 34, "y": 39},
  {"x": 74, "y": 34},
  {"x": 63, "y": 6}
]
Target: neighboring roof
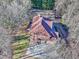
[{"x": 43, "y": 4}]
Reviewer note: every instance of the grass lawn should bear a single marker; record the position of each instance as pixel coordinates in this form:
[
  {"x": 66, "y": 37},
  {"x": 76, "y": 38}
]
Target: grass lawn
[{"x": 19, "y": 47}]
